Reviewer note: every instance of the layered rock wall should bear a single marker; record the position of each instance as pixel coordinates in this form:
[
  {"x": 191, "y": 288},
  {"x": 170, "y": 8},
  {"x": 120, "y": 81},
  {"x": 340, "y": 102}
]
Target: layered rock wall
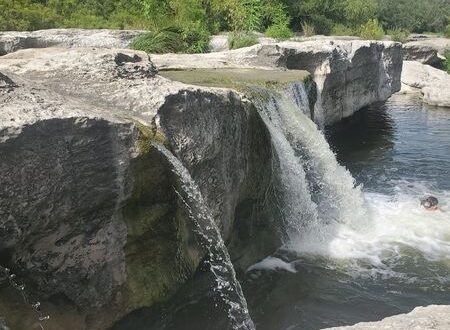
[{"x": 89, "y": 210}]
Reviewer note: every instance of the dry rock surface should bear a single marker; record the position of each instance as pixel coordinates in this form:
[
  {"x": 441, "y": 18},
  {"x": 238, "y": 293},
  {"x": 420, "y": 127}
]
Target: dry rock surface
[
  {"x": 434, "y": 317},
  {"x": 432, "y": 83},
  {"x": 13, "y": 41}
]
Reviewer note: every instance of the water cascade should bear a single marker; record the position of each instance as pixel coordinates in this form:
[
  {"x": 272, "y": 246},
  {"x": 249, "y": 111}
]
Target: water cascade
[
  {"x": 317, "y": 193},
  {"x": 226, "y": 284}
]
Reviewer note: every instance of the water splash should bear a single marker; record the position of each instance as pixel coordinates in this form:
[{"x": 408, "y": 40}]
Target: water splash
[
  {"x": 226, "y": 284},
  {"x": 20, "y": 287}
]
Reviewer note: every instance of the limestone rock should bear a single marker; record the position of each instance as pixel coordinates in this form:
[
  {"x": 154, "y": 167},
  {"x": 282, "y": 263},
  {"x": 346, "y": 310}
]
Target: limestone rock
[
  {"x": 436, "y": 317},
  {"x": 437, "y": 43},
  {"x": 423, "y": 53},
  {"x": 434, "y": 84},
  {"x": 88, "y": 210},
  {"x": 13, "y": 41},
  {"x": 349, "y": 74}
]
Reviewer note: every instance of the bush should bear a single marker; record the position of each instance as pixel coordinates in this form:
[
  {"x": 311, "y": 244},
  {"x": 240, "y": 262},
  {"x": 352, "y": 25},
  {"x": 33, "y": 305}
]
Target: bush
[
  {"x": 167, "y": 40},
  {"x": 447, "y": 31},
  {"x": 372, "y": 30},
  {"x": 342, "y": 30},
  {"x": 195, "y": 39},
  {"x": 172, "y": 39},
  {"x": 399, "y": 35},
  {"x": 279, "y": 31},
  {"x": 240, "y": 39},
  {"x": 308, "y": 29}
]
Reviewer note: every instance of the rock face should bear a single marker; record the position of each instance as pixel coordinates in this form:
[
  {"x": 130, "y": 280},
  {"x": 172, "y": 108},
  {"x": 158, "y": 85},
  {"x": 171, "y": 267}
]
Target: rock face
[
  {"x": 432, "y": 83},
  {"x": 88, "y": 209},
  {"x": 13, "y": 41},
  {"x": 436, "y": 43},
  {"x": 349, "y": 74},
  {"x": 417, "y": 51},
  {"x": 89, "y": 215},
  {"x": 430, "y": 317}
]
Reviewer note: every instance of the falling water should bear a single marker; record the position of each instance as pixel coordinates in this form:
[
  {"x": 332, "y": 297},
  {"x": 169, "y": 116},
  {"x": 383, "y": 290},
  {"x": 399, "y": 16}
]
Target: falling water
[
  {"x": 317, "y": 192},
  {"x": 226, "y": 284}
]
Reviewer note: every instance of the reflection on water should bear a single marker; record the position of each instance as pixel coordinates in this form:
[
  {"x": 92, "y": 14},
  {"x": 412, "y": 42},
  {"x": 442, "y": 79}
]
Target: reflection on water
[{"x": 400, "y": 140}]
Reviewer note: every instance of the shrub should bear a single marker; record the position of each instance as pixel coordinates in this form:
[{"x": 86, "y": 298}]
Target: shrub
[
  {"x": 240, "y": 39},
  {"x": 342, "y": 30},
  {"x": 372, "y": 30},
  {"x": 195, "y": 38},
  {"x": 166, "y": 40},
  {"x": 279, "y": 31},
  {"x": 399, "y": 35},
  {"x": 191, "y": 39},
  {"x": 308, "y": 29},
  {"x": 447, "y": 31}
]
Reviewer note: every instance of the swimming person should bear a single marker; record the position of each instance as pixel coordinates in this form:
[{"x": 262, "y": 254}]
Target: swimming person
[{"x": 430, "y": 203}]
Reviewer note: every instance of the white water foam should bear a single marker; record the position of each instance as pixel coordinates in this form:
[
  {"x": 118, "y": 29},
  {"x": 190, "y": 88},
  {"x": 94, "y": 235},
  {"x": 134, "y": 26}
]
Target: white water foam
[
  {"x": 273, "y": 263},
  {"x": 372, "y": 231},
  {"x": 395, "y": 223}
]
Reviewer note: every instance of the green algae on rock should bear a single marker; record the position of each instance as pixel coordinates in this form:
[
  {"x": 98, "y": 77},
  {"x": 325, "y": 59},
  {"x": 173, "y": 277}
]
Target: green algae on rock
[{"x": 235, "y": 78}]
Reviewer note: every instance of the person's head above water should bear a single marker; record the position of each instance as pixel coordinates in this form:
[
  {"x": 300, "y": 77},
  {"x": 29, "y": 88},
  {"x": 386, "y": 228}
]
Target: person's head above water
[{"x": 430, "y": 203}]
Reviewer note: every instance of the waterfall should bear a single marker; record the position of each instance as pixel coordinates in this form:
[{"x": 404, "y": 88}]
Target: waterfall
[
  {"x": 226, "y": 284},
  {"x": 317, "y": 194}
]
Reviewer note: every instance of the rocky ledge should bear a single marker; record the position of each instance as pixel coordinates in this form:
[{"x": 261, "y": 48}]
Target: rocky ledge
[
  {"x": 349, "y": 75},
  {"x": 89, "y": 210},
  {"x": 431, "y": 83},
  {"x": 434, "y": 317},
  {"x": 89, "y": 215},
  {"x": 13, "y": 41}
]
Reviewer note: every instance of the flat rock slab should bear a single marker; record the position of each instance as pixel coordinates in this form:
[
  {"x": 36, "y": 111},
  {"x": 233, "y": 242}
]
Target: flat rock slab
[
  {"x": 421, "y": 318},
  {"x": 12, "y": 41},
  {"x": 434, "y": 84},
  {"x": 436, "y": 43}
]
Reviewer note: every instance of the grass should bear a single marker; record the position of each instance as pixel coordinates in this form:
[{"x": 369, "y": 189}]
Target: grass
[
  {"x": 240, "y": 39},
  {"x": 399, "y": 35},
  {"x": 279, "y": 32},
  {"x": 166, "y": 40},
  {"x": 447, "y": 61},
  {"x": 308, "y": 29},
  {"x": 372, "y": 30}
]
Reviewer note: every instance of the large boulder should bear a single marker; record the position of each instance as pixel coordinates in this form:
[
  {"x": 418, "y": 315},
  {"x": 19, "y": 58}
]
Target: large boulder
[
  {"x": 89, "y": 215},
  {"x": 434, "y": 317},
  {"x": 349, "y": 74},
  {"x": 432, "y": 83},
  {"x": 12, "y": 41}
]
